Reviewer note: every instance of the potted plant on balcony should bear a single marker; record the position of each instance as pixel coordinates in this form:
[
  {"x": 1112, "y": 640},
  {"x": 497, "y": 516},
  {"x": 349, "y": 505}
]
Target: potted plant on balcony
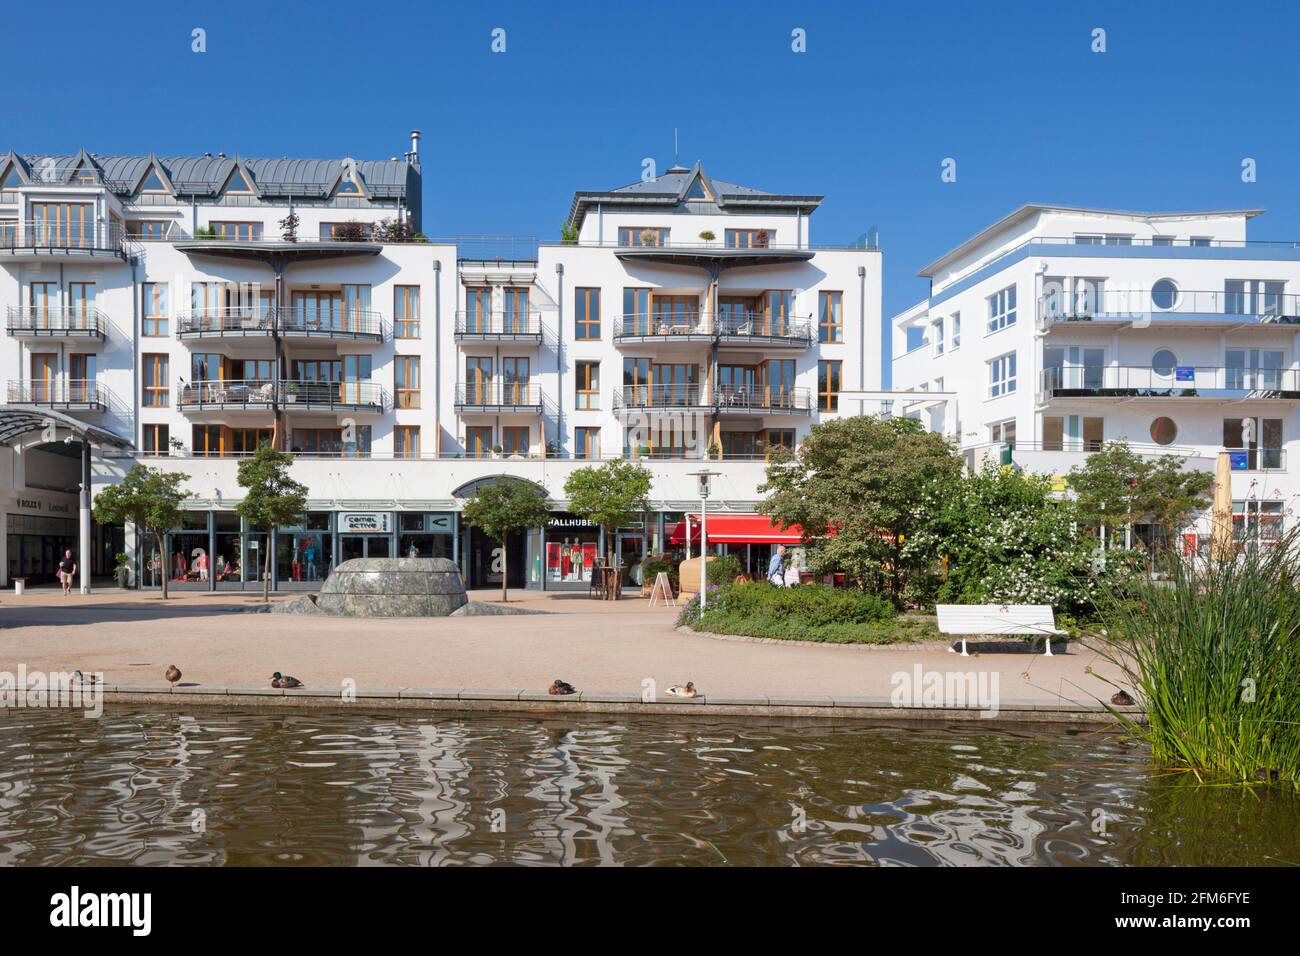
[
  {"x": 350, "y": 231},
  {"x": 568, "y": 234},
  {"x": 708, "y": 235},
  {"x": 205, "y": 232},
  {"x": 289, "y": 227},
  {"x": 649, "y": 237},
  {"x": 291, "y": 392},
  {"x": 714, "y": 452},
  {"x": 177, "y": 446},
  {"x": 761, "y": 239},
  {"x": 497, "y": 451}
]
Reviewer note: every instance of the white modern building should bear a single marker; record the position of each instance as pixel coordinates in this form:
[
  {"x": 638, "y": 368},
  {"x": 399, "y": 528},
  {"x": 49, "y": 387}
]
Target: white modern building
[
  {"x": 194, "y": 307},
  {"x": 1057, "y": 329}
]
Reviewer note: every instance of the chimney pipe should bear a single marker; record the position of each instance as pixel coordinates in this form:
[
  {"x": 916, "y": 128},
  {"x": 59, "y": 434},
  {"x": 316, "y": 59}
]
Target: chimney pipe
[{"x": 415, "y": 144}]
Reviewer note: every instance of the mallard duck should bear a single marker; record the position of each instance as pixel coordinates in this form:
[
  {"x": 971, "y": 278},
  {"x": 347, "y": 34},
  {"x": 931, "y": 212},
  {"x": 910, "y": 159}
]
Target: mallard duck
[
  {"x": 172, "y": 674},
  {"x": 559, "y": 688},
  {"x": 1121, "y": 699},
  {"x": 678, "y": 691},
  {"x": 81, "y": 678},
  {"x": 280, "y": 680}
]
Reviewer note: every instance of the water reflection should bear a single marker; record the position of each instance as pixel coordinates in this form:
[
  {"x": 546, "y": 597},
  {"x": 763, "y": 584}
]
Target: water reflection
[{"x": 256, "y": 789}]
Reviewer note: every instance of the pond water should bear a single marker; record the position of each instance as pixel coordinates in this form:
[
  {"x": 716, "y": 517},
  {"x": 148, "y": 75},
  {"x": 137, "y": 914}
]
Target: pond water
[{"x": 251, "y": 788}]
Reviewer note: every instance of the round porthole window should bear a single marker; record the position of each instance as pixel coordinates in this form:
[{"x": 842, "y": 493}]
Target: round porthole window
[
  {"x": 1164, "y": 431},
  {"x": 1164, "y": 294},
  {"x": 1163, "y": 362}
]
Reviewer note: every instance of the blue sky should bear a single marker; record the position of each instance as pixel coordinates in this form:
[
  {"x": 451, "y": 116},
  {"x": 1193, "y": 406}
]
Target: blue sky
[{"x": 885, "y": 92}]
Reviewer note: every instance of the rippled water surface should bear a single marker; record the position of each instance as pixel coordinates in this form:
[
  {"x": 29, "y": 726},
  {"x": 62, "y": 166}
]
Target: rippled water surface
[{"x": 243, "y": 788}]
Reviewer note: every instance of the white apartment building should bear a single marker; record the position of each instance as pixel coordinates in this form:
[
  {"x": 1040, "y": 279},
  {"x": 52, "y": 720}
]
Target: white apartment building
[
  {"x": 194, "y": 307},
  {"x": 1057, "y": 329}
]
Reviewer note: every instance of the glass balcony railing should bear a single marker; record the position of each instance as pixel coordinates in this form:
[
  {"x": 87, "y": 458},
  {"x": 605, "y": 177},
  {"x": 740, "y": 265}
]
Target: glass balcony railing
[
  {"x": 1188, "y": 381},
  {"x": 1167, "y": 305}
]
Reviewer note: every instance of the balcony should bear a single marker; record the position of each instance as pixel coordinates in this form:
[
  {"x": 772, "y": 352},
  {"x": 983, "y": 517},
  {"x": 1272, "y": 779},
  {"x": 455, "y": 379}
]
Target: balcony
[
  {"x": 260, "y": 394},
  {"x": 1183, "y": 383},
  {"x": 42, "y": 323},
  {"x": 764, "y": 400},
  {"x": 84, "y": 395},
  {"x": 352, "y": 324},
  {"x": 1181, "y": 308},
  {"x": 523, "y": 397},
  {"x": 658, "y": 399},
  {"x": 763, "y": 329},
  {"x": 32, "y": 240},
  {"x": 686, "y": 327},
  {"x": 499, "y": 327}
]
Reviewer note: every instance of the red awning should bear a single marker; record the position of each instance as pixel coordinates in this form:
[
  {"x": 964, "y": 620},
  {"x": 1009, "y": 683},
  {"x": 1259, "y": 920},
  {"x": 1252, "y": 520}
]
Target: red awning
[{"x": 737, "y": 529}]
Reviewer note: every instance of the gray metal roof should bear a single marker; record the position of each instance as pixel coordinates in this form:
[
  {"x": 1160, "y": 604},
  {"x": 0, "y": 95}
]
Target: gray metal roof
[
  {"x": 206, "y": 175},
  {"x": 16, "y": 422},
  {"x": 671, "y": 189}
]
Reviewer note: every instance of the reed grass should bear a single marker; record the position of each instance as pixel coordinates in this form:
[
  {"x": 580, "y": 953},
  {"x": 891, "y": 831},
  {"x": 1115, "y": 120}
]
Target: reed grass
[{"x": 1213, "y": 656}]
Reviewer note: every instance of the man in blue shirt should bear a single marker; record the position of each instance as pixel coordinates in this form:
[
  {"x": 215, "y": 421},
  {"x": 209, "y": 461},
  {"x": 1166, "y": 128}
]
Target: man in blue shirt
[{"x": 776, "y": 567}]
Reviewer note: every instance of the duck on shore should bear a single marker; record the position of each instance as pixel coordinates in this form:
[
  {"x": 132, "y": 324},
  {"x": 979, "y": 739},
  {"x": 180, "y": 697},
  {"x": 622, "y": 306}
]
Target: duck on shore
[
  {"x": 678, "y": 691},
  {"x": 172, "y": 674},
  {"x": 281, "y": 681},
  {"x": 560, "y": 688}
]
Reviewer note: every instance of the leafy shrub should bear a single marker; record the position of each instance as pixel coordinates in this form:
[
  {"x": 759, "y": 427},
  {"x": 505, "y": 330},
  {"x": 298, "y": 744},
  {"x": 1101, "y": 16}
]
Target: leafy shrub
[
  {"x": 809, "y": 612},
  {"x": 723, "y": 569},
  {"x": 655, "y": 563}
]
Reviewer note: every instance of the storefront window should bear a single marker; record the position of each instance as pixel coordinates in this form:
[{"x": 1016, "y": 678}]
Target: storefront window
[
  {"x": 571, "y": 550},
  {"x": 425, "y": 534},
  {"x": 227, "y": 562},
  {"x": 189, "y": 561},
  {"x": 304, "y": 555}
]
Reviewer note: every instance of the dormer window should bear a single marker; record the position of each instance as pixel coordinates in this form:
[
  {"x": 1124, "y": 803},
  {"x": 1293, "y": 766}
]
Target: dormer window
[
  {"x": 348, "y": 187},
  {"x": 84, "y": 176},
  {"x": 698, "y": 192},
  {"x": 238, "y": 183},
  {"x": 152, "y": 182},
  {"x": 12, "y": 180}
]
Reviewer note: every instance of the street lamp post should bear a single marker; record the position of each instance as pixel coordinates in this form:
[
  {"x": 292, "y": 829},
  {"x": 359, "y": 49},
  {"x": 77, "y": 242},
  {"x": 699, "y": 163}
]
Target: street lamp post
[{"x": 703, "y": 478}]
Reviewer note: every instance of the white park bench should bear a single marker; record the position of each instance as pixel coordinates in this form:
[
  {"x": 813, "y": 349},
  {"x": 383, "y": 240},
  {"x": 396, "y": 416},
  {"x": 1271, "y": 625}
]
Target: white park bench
[{"x": 997, "y": 620}]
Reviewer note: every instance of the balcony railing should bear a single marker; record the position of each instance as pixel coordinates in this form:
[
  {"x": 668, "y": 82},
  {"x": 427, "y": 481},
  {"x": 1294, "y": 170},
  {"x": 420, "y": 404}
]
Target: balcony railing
[
  {"x": 255, "y": 320},
  {"x": 40, "y": 236},
  {"x": 764, "y": 398},
  {"x": 645, "y": 397},
  {"x": 40, "y": 322},
  {"x": 1180, "y": 382},
  {"x": 763, "y": 327},
  {"x": 498, "y": 395},
  {"x": 1157, "y": 306},
  {"x": 662, "y": 325},
  {"x": 263, "y": 393},
  {"x": 74, "y": 393},
  {"x": 516, "y": 325}
]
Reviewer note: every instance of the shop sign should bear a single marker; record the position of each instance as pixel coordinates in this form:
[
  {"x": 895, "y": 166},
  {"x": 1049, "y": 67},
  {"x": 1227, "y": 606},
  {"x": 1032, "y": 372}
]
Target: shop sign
[
  {"x": 569, "y": 521},
  {"x": 364, "y": 522},
  {"x": 438, "y": 523}
]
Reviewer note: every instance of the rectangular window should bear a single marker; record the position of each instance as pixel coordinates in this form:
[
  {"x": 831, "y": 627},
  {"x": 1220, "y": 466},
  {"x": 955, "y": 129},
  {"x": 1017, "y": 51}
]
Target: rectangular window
[
  {"x": 478, "y": 441},
  {"x": 238, "y": 231},
  {"x": 1002, "y": 375},
  {"x": 206, "y": 441},
  {"x": 779, "y": 438},
  {"x": 478, "y": 310},
  {"x": 587, "y": 386},
  {"x": 1072, "y": 433},
  {"x": 1260, "y": 439},
  {"x": 329, "y": 442},
  {"x": 748, "y": 238},
  {"x": 514, "y": 311},
  {"x": 830, "y": 321},
  {"x": 149, "y": 230},
  {"x": 1002, "y": 309},
  {"x": 406, "y": 441},
  {"x": 156, "y": 383},
  {"x": 1162, "y": 240},
  {"x": 588, "y": 442},
  {"x": 478, "y": 380},
  {"x": 956, "y": 331},
  {"x": 1199, "y": 241},
  {"x": 406, "y": 312},
  {"x": 1003, "y": 433},
  {"x": 406, "y": 381},
  {"x": 514, "y": 440},
  {"x": 153, "y": 308},
  {"x": 586, "y": 314},
  {"x": 1115, "y": 239},
  {"x": 156, "y": 440},
  {"x": 642, "y": 236},
  {"x": 937, "y": 336},
  {"x": 1084, "y": 239},
  {"x": 828, "y": 385}
]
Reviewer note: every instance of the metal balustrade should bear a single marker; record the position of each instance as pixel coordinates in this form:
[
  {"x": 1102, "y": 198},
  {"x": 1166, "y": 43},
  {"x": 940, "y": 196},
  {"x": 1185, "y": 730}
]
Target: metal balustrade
[
  {"x": 1177, "y": 382},
  {"x": 258, "y": 320},
  {"x": 670, "y": 396},
  {"x": 746, "y": 327},
  {"x": 1167, "y": 306},
  {"x": 510, "y": 325},
  {"x": 71, "y": 393},
  {"x": 494, "y": 394},
  {"x": 263, "y": 394},
  {"x": 764, "y": 398},
  {"x": 63, "y": 235},
  {"x": 43, "y": 321}
]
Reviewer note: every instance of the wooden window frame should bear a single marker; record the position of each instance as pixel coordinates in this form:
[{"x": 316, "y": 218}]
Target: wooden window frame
[
  {"x": 160, "y": 432},
  {"x": 406, "y": 367},
  {"x": 830, "y": 317},
  {"x": 406, "y": 441},
  {"x": 586, "y": 394},
  {"x": 220, "y": 227},
  {"x": 828, "y": 397},
  {"x": 585, "y": 327},
  {"x": 155, "y": 395},
  {"x": 154, "y": 322},
  {"x": 405, "y": 327}
]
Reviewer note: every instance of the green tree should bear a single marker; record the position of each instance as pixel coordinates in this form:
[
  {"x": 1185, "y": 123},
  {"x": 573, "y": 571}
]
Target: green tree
[
  {"x": 271, "y": 498},
  {"x": 508, "y": 505},
  {"x": 148, "y": 499},
  {"x": 612, "y": 495},
  {"x": 1004, "y": 539},
  {"x": 859, "y": 478},
  {"x": 568, "y": 233},
  {"x": 1117, "y": 488}
]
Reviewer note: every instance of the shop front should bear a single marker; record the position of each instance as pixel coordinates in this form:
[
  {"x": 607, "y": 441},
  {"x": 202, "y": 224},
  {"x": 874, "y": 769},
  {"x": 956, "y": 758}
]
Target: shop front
[
  {"x": 572, "y": 547},
  {"x": 751, "y": 538}
]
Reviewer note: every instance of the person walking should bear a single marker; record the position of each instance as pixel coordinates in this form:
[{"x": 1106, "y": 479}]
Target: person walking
[
  {"x": 67, "y": 569},
  {"x": 776, "y": 567}
]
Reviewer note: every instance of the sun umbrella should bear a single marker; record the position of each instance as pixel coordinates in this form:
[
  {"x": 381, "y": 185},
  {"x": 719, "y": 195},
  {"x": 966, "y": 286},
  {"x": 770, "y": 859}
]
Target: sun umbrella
[{"x": 1221, "y": 544}]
